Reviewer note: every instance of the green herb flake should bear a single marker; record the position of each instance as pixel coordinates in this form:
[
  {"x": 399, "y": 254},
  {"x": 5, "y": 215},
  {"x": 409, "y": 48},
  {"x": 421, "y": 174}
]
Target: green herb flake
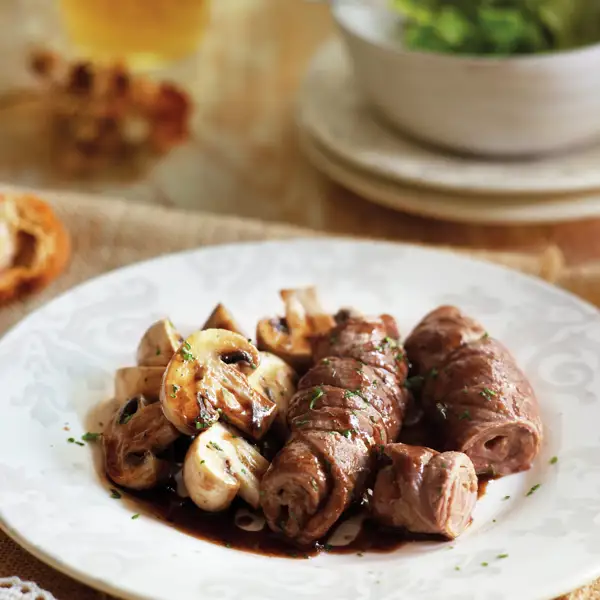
[
  {"x": 400, "y": 356},
  {"x": 554, "y": 460},
  {"x": 202, "y": 462},
  {"x": 317, "y": 393},
  {"x": 215, "y": 446},
  {"x": 126, "y": 419},
  {"x": 484, "y": 564},
  {"x": 244, "y": 471},
  {"x": 174, "y": 390},
  {"x": 185, "y": 351},
  {"x": 465, "y": 416},
  {"x": 327, "y": 547},
  {"x": 79, "y": 443},
  {"x": 157, "y": 351},
  {"x": 502, "y": 556},
  {"x": 506, "y": 498},
  {"x": 457, "y": 568},
  {"x": 227, "y": 544},
  {"x": 347, "y": 433},
  {"x": 301, "y": 422},
  {"x": 71, "y": 440},
  {"x": 325, "y": 361},
  {"x": 90, "y": 437},
  {"x": 533, "y": 489},
  {"x": 433, "y": 373},
  {"x": 493, "y": 520},
  {"x": 202, "y": 425},
  {"x": 487, "y": 393},
  {"x": 114, "y": 494},
  {"x": 136, "y": 516},
  {"x": 313, "y": 482}
]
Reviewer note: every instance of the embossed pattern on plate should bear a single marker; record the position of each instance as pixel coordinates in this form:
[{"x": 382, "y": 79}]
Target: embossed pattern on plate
[{"x": 58, "y": 363}]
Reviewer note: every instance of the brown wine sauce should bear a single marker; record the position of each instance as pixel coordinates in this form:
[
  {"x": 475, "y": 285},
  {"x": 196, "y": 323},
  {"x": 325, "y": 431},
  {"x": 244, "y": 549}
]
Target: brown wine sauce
[{"x": 165, "y": 504}]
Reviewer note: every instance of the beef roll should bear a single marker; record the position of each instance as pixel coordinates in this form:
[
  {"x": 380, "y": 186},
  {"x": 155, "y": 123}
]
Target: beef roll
[
  {"x": 423, "y": 491},
  {"x": 480, "y": 401},
  {"x": 350, "y": 401}
]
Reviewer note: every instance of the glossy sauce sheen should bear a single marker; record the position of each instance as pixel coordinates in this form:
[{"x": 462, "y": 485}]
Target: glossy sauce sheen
[{"x": 220, "y": 528}]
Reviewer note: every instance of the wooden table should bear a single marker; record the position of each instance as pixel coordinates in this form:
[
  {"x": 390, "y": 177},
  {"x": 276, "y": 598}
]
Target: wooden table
[{"x": 245, "y": 157}]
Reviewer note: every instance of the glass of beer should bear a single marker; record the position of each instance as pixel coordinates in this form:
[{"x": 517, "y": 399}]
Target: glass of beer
[{"x": 146, "y": 34}]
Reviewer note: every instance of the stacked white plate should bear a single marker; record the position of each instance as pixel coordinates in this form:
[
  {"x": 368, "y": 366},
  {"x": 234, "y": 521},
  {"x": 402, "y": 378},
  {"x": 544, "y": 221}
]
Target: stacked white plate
[{"x": 348, "y": 142}]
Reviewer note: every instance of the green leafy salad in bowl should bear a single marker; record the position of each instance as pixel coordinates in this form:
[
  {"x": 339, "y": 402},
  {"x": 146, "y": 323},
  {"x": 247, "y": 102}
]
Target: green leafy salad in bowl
[{"x": 498, "y": 27}]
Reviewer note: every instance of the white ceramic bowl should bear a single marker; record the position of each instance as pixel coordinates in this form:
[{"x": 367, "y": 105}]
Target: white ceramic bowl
[{"x": 513, "y": 106}]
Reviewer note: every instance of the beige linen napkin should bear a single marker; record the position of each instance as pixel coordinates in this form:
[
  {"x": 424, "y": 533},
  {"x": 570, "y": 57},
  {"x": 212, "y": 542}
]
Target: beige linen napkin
[{"x": 108, "y": 234}]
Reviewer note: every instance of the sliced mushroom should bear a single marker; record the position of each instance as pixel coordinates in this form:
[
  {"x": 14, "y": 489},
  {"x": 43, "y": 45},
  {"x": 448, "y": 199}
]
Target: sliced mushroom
[
  {"x": 159, "y": 343},
  {"x": 207, "y": 380},
  {"x": 289, "y": 337},
  {"x": 131, "y": 381},
  {"x": 219, "y": 465},
  {"x": 276, "y": 380},
  {"x": 132, "y": 439},
  {"x": 221, "y": 318}
]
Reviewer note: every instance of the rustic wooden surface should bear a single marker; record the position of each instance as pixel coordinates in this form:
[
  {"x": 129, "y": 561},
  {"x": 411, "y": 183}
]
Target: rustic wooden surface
[{"x": 245, "y": 158}]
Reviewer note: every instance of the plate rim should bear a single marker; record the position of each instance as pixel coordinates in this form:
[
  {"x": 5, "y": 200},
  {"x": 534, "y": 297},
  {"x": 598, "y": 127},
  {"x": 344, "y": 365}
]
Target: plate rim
[
  {"x": 324, "y": 54},
  {"x": 79, "y": 574}
]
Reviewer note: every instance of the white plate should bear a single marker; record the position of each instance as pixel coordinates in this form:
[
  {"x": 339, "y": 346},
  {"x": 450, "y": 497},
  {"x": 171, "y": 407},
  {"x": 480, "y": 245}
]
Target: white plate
[
  {"x": 461, "y": 208},
  {"x": 59, "y": 363},
  {"x": 331, "y": 109}
]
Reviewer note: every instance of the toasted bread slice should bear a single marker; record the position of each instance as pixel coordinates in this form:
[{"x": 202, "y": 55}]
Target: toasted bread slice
[{"x": 34, "y": 245}]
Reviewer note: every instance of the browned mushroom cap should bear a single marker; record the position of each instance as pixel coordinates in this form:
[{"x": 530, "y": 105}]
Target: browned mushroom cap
[
  {"x": 159, "y": 343},
  {"x": 207, "y": 380},
  {"x": 132, "y": 439},
  {"x": 221, "y": 318},
  {"x": 289, "y": 337},
  {"x": 131, "y": 381}
]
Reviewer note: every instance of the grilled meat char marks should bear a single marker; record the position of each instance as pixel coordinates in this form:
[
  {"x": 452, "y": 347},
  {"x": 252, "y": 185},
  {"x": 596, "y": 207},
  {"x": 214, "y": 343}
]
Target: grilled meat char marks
[
  {"x": 423, "y": 491},
  {"x": 479, "y": 399},
  {"x": 350, "y": 401}
]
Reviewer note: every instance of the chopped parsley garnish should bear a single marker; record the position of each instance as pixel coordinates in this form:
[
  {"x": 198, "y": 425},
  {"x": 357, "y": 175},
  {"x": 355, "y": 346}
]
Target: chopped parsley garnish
[
  {"x": 90, "y": 437},
  {"x": 502, "y": 556},
  {"x": 465, "y": 416},
  {"x": 157, "y": 351},
  {"x": 487, "y": 393},
  {"x": 136, "y": 516},
  {"x": 79, "y": 443},
  {"x": 325, "y": 361},
  {"x": 114, "y": 494},
  {"x": 327, "y": 547},
  {"x": 533, "y": 489},
  {"x": 554, "y": 460},
  {"x": 202, "y": 462},
  {"x": 244, "y": 471},
  {"x": 126, "y": 419},
  {"x": 317, "y": 393},
  {"x": 400, "y": 356},
  {"x": 301, "y": 422},
  {"x": 433, "y": 373},
  {"x": 457, "y": 568},
  {"x": 372, "y": 419},
  {"x": 485, "y": 336},
  {"x": 71, "y": 440},
  {"x": 175, "y": 389},
  {"x": 347, "y": 433},
  {"x": 227, "y": 544},
  {"x": 215, "y": 446},
  {"x": 506, "y": 498},
  {"x": 484, "y": 564},
  {"x": 313, "y": 482},
  {"x": 444, "y": 465},
  {"x": 442, "y": 409},
  {"x": 185, "y": 351},
  {"x": 202, "y": 425}
]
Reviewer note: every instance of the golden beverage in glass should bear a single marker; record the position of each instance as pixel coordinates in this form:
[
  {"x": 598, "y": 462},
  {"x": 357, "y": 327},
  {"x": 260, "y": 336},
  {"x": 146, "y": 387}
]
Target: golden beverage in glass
[{"x": 144, "y": 33}]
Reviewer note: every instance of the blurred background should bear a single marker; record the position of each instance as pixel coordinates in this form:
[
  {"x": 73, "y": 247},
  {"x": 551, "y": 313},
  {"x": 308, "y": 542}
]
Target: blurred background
[{"x": 472, "y": 123}]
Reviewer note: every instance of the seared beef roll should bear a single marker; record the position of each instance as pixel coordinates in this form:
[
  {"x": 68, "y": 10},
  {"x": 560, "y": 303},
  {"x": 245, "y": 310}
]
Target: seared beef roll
[
  {"x": 423, "y": 491},
  {"x": 352, "y": 400},
  {"x": 482, "y": 403}
]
